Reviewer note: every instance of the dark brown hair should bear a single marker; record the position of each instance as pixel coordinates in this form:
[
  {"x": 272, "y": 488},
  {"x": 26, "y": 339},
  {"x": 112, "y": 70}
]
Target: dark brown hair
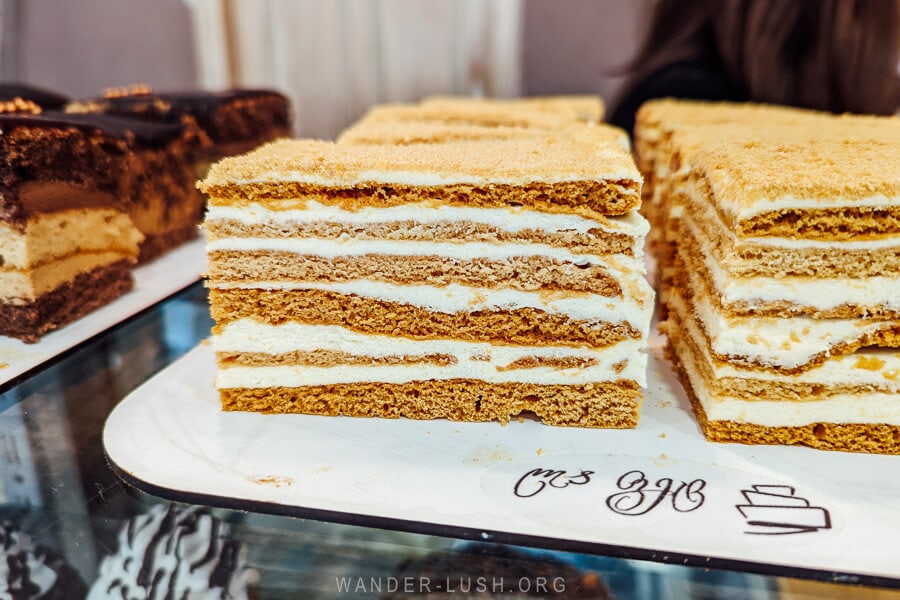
[{"x": 836, "y": 55}]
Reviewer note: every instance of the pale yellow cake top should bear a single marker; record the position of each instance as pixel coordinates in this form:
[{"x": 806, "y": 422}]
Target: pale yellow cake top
[
  {"x": 846, "y": 162},
  {"x": 670, "y": 114},
  {"x": 580, "y": 153},
  {"x": 583, "y": 108},
  {"x": 486, "y": 114},
  {"x": 428, "y": 132}
]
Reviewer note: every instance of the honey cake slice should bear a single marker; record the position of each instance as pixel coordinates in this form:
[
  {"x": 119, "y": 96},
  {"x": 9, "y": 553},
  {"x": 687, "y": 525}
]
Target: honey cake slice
[
  {"x": 548, "y": 113},
  {"x": 583, "y": 171},
  {"x": 459, "y": 327},
  {"x": 777, "y": 337},
  {"x": 826, "y": 383}
]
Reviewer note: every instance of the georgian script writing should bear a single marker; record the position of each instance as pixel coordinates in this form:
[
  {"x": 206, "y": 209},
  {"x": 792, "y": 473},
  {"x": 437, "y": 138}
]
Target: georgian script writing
[
  {"x": 537, "y": 480},
  {"x": 639, "y": 497}
]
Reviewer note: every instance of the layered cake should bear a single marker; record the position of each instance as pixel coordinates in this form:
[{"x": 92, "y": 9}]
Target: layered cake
[
  {"x": 784, "y": 311},
  {"x": 30, "y": 571},
  {"x": 235, "y": 121},
  {"x": 378, "y": 131},
  {"x": 175, "y": 552},
  {"x": 541, "y": 114},
  {"x": 664, "y": 133},
  {"x": 67, "y": 241},
  {"x": 470, "y": 280}
]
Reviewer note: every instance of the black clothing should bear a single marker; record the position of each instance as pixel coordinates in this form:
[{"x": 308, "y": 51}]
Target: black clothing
[{"x": 693, "y": 80}]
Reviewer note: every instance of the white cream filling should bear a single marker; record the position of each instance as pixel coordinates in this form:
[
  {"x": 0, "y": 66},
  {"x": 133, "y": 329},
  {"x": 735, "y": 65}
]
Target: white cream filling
[
  {"x": 591, "y": 308},
  {"x": 873, "y": 367},
  {"x": 885, "y": 243},
  {"x": 878, "y": 367},
  {"x": 775, "y": 341},
  {"x": 512, "y": 220},
  {"x": 744, "y": 211},
  {"x": 247, "y": 335},
  {"x": 818, "y": 293},
  {"x": 619, "y": 267},
  {"x": 823, "y": 293},
  {"x": 712, "y": 217},
  {"x": 871, "y": 407}
]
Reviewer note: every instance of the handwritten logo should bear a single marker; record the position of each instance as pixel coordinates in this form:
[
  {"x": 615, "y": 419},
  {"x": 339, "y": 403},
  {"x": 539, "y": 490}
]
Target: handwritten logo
[
  {"x": 639, "y": 497},
  {"x": 777, "y": 510},
  {"x": 537, "y": 480}
]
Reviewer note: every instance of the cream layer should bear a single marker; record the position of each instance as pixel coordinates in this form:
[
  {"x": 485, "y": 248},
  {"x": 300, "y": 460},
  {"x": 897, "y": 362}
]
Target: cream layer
[
  {"x": 49, "y": 236},
  {"x": 823, "y": 293},
  {"x": 512, "y": 220},
  {"x": 702, "y": 209},
  {"x": 634, "y": 308},
  {"x": 622, "y": 361},
  {"x": 23, "y": 286},
  {"x": 747, "y": 210},
  {"x": 868, "y": 407},
  {"x": 620, "y": 267},
  {"x": 875, "y": 367},
  {"x": 786, "y": 342}
]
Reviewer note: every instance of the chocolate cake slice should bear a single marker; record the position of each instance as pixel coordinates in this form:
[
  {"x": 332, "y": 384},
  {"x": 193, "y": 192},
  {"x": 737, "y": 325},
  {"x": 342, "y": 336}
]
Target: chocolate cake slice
[
  {"x": 236, "y": 121},
  {"x": 160, "y": 196},
  {"x": 66, "y": 238}
]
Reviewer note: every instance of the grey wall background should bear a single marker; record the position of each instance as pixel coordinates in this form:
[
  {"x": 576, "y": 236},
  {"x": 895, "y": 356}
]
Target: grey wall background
[
  {"x": 82, "y": 46},
  {"x": 580, "y": 46}
]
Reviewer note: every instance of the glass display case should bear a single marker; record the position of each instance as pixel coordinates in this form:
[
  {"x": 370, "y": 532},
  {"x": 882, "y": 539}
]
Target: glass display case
[{"x": 59, "y": 490}]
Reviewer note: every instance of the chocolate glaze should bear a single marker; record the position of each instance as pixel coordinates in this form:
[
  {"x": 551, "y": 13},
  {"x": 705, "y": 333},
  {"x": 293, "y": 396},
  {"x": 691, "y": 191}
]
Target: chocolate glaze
[
  {"x": 148, "y": 133},
  {"x": 90, "y": 153},
  {"x": 46, "y": 99},
  {"x": 225, "y": 116}
]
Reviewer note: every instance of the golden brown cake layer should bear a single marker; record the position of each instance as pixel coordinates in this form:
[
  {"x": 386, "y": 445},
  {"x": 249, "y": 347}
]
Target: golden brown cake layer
[
  {"x": 522, "y": 273},
  {"x": 850, "y": 223},
  {"x": 596, "y": 405},
  {"x": 326, "y": 358},
  {"x": 589, "y": 199},
  {"x": 848, "y": 437},
  {"x": 524, "y": 326},
  {"x": 596, "y": 241}
]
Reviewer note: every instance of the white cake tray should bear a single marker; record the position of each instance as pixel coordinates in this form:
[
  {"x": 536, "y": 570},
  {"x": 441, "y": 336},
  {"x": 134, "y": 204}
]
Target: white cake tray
[
  {"x": 788, "y": 511},
  {"x": 153, "y": 282}
]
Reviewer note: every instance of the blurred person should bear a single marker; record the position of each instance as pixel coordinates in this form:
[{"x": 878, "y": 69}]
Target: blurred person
[{"x": 832, "y": 55}]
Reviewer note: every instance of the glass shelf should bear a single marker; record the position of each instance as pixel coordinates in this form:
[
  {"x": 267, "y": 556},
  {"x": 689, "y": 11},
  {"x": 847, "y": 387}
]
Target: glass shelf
[{"x": 59, "y": 489}]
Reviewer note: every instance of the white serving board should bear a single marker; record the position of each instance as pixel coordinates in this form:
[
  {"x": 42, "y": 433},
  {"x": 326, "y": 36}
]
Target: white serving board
[
  {"x": 155, "y": 281},
  {"x": 781, "y": 510}
]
